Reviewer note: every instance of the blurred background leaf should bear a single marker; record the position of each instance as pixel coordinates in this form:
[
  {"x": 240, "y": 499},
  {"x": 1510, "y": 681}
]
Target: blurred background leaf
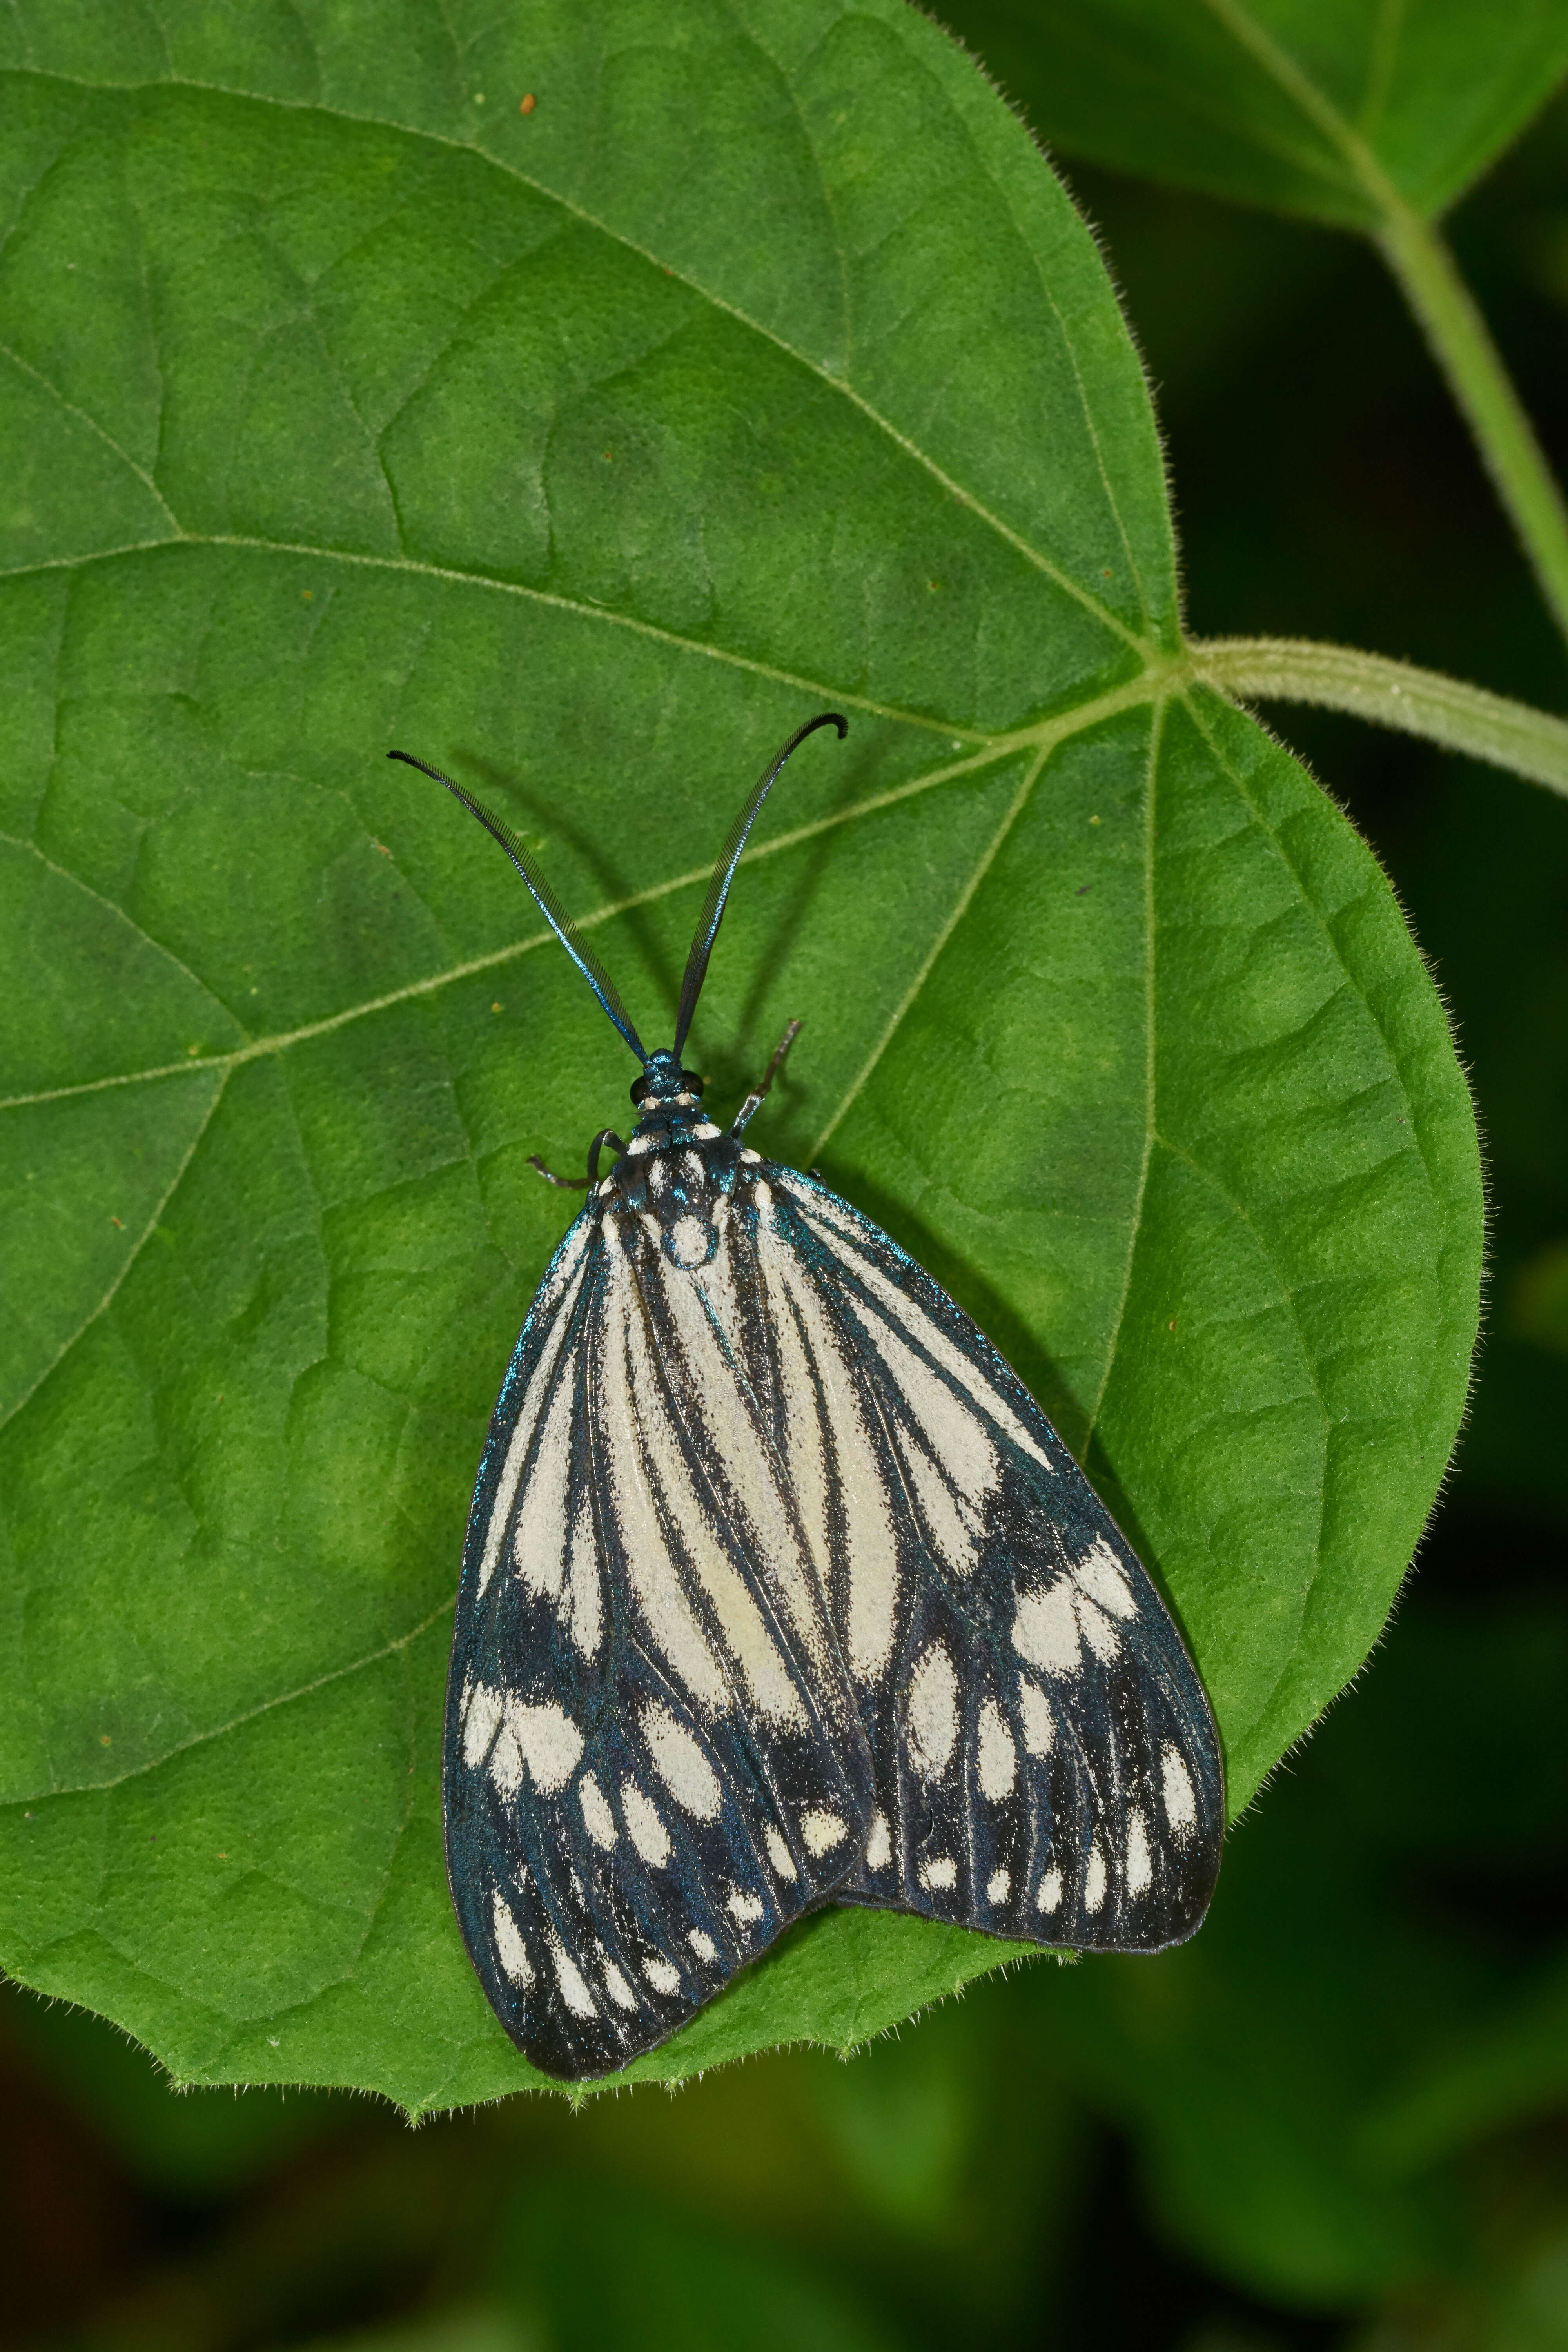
[{"x": 1304, "y": 109}]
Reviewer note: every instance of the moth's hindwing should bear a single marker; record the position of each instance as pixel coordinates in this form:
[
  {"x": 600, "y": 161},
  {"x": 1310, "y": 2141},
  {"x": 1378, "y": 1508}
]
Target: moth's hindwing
[
  {"x": 653, "y": 1757},
  {"x": 1047, "y": 1767}
]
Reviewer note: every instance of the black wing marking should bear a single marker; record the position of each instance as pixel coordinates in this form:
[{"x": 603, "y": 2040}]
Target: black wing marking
[
  {"x": 653, "y": 1759},
  {"x": 1047, "y": 1767}
]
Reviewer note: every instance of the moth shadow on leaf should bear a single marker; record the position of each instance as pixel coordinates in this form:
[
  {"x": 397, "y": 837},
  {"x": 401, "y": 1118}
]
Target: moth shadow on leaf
[{"x": 614, "y": 887}]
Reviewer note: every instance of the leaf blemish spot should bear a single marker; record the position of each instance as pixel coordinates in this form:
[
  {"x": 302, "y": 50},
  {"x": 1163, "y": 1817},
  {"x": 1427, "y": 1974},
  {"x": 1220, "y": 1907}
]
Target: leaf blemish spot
[
  {"x": 528, "y": 105},
  {"x": 103, "y": 1739},
  {"x": 1171, "y": 1324},
  {"x": 1094, "y": 819},
  {"x": 117, "y": 1220}
]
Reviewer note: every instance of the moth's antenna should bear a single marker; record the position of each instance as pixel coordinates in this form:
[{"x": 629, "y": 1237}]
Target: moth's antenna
[
  {"x": 729, "y": 857},
  {"x": 549, "y": 905}
]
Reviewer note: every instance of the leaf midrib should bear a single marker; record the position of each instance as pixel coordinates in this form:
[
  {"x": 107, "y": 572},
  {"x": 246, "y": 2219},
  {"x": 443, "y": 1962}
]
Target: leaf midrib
[{"x": 1295, "y": 83}]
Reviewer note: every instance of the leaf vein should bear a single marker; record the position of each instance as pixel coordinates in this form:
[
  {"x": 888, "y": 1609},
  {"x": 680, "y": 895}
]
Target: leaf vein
[
  {"x": 399, "y": 1642},
  {"x": 84, "y": 416}
]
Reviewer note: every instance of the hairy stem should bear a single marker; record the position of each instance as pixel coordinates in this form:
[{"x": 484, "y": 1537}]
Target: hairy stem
[
  {"x": 1393, "y": 693},
  {"x": 1464, "y": 350}
]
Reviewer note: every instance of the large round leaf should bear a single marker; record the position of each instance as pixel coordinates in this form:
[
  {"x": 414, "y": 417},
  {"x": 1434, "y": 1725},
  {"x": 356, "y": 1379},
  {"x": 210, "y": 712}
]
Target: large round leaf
[{"x": 760, "y": 364}]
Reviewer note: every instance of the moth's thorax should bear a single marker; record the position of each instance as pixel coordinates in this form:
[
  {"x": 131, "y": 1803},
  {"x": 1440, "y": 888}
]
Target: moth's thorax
[{"x": 673, "y": 1187}]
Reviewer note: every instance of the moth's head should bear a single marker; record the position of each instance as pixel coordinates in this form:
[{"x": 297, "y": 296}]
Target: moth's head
[{"x": 664, "y": 1081}]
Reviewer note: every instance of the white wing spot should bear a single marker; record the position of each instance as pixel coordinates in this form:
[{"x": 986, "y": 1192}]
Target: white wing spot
[
  {"x": 1098, "y": 1631},
  {"x": 1094, "y": 1880},
  {"x": 539, "y": 1538},
  {"x": 940, "y": 1875},
  {"x": 1050, "y": 1893},
  {"x": 564, "y": 1281},
  {"x": 1039, "y": 1723},
  {"x": 597, "y": 1818},
  {"x": 510, "y": 1950},
  {"x": 842, "y": 1220},
  {"x": 822, "y": 1830},
  {"x": 588, "y": 1608},
  {"x": 933, "y": 1712},
  {"x": 646, "y": 1831},
  {"x": 1045, "y": 1630},
  {"x": 705, "y": 1131},
  {"x": 879, "y": 1845},
  {"x": 702, "y": 1944},
  {"x": 953, "y": 1525},
  {"x": 662, "y": 1976},
  {"x": 569, "y": 1976},
  {"x": 1181, "y": 1805},
  {"x": 620, "y": 1992},
  {"x": 1101, "y": 1575},
  {"x": 710, "y": 1375},
  {"x": 998, "y": 1886},
  {"x": 483, "y": 1712},
  {"x": 954, "y": 1499},
  {"x": 539, "y": 1739},
  {"x": 682, "y": 1766},
  {"x": 869, "y": 1544},
  {"x": 746, "y": 1909},
  {"x": 691, "y": 1243},
  {"x": 655, "y": 1582},
  {"x": 779, "y": 1854},
  {"x": 998, "y": 1758},
  {"x": 1139, "y": 1868}
]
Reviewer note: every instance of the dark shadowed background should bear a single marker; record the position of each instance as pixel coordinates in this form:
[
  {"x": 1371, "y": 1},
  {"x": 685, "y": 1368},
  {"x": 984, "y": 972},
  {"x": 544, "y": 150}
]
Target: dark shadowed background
[{"x": 1339, "y": 2117}]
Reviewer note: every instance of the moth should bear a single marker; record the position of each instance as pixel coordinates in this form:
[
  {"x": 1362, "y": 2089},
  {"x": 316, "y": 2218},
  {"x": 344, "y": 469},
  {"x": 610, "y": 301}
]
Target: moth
[{"x": 780, "y": 1590}]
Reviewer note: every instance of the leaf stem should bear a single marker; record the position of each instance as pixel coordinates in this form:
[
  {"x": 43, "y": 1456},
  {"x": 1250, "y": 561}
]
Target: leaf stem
[
  {"x": 1464, "y": 350},
  {"x": 1446, "y": 710}
]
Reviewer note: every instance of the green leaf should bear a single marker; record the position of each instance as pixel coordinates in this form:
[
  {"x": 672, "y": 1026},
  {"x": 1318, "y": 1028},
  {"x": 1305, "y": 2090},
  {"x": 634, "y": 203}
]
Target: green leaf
[
  {"x": 1324, "y": 108},
  {"x": 588, "y": 456}
]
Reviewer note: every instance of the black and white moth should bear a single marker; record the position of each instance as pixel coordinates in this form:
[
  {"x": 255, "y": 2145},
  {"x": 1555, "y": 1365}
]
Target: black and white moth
[{"x": 780, "y": 1590}]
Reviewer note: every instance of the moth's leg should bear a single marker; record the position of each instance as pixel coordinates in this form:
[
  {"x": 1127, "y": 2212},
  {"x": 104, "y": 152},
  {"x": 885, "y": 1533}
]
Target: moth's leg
[
  {"x": 580, "y": 1183},
  {"x": 753, "y": 1100}
]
